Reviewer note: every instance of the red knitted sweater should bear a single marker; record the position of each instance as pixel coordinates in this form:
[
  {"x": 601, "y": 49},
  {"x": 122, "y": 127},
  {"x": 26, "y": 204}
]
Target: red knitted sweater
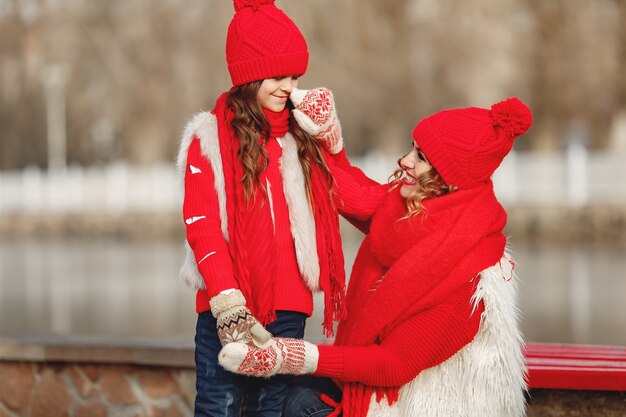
[
  {"x": 202, "y": 218},
  {"x": 421, "y": 341}
]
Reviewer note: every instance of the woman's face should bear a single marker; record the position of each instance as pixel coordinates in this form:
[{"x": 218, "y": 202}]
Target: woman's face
[
  {"x": 274, "y": 92},
  {"x": 414, "y": 164}
]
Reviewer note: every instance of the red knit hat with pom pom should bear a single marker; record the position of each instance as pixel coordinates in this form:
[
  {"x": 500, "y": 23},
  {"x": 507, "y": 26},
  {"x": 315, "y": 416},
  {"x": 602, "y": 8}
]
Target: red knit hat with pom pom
[
  {"x": 465, "y": 146},
  {"x": 263, "y": 42}
]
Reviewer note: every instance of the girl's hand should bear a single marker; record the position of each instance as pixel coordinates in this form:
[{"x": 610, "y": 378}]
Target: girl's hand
[
  {"x": 316, "y": 114},
  {"x": 278, "y": 356},
  {"x": 235, "y": 322}
]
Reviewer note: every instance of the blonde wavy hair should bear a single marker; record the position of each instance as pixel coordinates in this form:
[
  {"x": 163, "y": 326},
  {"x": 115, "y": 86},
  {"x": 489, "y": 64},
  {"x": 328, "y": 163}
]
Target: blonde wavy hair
[
  {"x": 250, "y": 125},
  {"x": 429, "y": 185}
]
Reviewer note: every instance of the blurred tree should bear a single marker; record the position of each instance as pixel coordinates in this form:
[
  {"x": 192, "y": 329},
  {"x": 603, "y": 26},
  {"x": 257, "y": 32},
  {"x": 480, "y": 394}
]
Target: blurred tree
[
  {"x": 137, "y": 69},
  {"x": 22, "y": 105},
  {"x": 575, "y": 63}
]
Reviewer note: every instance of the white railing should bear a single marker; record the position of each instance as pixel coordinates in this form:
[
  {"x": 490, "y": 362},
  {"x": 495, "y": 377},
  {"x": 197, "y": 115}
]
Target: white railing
[
  {"x": 116, "y": 188},
  {"x": 573, "y": 178}
]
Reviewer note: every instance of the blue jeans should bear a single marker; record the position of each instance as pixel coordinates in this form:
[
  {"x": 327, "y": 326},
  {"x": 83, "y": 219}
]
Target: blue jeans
[
  {"x": 304, "y": 400},
  {"x": 220, "y": 393}
]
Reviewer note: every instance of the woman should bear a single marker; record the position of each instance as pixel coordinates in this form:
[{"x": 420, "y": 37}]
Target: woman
[
  {"x": 262, "y": 231},
  {"x": 431, "y": 328}
]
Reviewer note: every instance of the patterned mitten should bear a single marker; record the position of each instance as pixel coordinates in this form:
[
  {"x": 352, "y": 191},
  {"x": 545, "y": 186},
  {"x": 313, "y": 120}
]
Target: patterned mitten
[
  {"x": 235, "y": 322},
  {"x": 316, "y": 114},
  {"x": 278, "y": 356}
]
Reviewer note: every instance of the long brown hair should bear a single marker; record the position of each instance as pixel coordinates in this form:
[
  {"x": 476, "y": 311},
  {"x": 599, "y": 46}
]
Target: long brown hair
[
  {"x": 429, "y": 185},
  {"x": 250, "y": 125}
]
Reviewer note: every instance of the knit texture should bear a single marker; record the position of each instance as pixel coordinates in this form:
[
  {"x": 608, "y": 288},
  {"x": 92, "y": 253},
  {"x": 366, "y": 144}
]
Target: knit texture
[
  {"x": 316, "y": 113},
  {"x": 357, "y": 196},
  {"x": 412, "y": 268},
  {"x": 253, "y": 245},
  {"x": 466, "y": 146},
  {"x": 223, "y": 302},
  {"x": 278, "y": 356},
  {"x": 263, "y": 42},
  {"x": 422, "y": 341},
  {"x": 212, "y": 251},
  {"x": 203, "y": 228}
]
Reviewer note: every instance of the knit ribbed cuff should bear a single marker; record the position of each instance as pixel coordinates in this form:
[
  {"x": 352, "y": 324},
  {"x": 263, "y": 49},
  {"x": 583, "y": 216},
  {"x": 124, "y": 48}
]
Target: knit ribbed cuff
[
  {"x": 223, "y": 302},
  {"x": 260, "y": 68},
  {"x": 330, "y": 362},
  {"x": 311, "y": 358}
]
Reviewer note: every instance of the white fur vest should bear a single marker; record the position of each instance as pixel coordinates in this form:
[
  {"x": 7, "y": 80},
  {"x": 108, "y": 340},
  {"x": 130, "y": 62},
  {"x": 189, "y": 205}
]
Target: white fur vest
[
  {"x": 486, "y": 378},
  {"x": 204, "y": 127}
]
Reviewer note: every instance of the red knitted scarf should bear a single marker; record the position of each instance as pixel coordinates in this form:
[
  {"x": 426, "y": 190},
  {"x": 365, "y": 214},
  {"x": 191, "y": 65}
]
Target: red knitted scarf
[
  {"x": 250, "y": 228},
  {"x": 422, "y": 262},
  {"x": 279, "y": 122}
]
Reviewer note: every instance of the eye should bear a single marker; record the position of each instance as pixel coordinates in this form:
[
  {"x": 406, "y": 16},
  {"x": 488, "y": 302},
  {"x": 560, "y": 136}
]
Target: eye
[
  {"x": 421, "y": 156},
  {"x": 295, "y": 77},
  {"x": 279, "y": 78}
]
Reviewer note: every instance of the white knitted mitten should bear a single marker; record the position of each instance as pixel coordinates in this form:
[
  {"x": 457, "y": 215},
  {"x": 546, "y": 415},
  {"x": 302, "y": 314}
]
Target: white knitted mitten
[
  {"x": 278, "y": 356},
  {"x": 235, "y": 322},
  {"x": 316, "y": 114}
]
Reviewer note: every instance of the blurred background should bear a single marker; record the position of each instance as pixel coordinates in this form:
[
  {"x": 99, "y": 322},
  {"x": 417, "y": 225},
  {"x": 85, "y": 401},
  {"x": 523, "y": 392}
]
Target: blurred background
[{"x": 94, "y": 97}]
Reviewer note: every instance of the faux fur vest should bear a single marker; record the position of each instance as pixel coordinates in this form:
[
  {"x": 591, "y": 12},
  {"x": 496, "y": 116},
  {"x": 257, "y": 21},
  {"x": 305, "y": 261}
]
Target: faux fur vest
[
  {"x": 204, "y": 127},
  {"x": 486, "y": 378}
]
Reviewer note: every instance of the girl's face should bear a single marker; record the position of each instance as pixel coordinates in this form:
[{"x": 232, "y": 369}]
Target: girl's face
[
  {"x": 414, "y": 164},
  {"x": 274, "y": 92}
]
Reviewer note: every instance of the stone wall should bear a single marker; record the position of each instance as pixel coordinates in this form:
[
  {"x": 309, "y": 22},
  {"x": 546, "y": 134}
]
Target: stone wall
[
  {"x": 155, "y": 378},
  {"x": 94, "y": 390}
]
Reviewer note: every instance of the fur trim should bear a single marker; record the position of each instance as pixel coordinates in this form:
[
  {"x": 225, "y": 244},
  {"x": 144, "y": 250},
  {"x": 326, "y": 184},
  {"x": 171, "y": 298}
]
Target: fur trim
[
  {"x": 204, "y": 127},
  {"x": 188, "y": 272},
  {"x": 484, "y": 379},
  {"x": 300, "y": 215}
]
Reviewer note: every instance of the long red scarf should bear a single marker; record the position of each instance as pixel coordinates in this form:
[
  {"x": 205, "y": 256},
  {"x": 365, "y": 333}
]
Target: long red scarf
[
  {"x": 257, "y": 281},
  {"x": 421, "y": 262}
]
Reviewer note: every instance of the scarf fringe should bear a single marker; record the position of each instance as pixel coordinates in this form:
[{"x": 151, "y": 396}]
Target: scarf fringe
[
  {"x": 326, "y": 220},
  {"x": 334, "y": 308},
  {"x": 334, "y": 288}
]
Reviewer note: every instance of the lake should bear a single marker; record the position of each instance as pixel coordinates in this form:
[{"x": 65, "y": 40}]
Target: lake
[{"x": 572, "y": 293}]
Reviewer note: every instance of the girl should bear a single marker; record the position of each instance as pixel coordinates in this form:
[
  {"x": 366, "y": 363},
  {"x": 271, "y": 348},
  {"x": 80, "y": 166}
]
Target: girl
[
  {"x": 431, "y": 328},
  {"x": 262, "y": 232}
]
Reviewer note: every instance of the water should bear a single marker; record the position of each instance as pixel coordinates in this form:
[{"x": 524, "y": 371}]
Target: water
[{"x": 105, "y": 287}]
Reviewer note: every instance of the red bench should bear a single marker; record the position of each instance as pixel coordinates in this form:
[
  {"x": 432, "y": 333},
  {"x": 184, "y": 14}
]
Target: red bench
[{"x": 576, "y": 367}]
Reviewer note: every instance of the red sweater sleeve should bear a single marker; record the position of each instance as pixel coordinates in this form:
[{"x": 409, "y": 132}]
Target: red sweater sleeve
[
  {"x": 341, "y": 160},
  {"x": 356, "y": 195},
  {"x": 202, "y": 219},
  {"x": 425, "y": 340}
]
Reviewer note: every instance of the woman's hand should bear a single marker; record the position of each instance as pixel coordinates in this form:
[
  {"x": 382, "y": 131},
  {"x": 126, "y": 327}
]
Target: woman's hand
[
  {"x": 278, "y": 356},
  {"x": 316, "y": 114}
]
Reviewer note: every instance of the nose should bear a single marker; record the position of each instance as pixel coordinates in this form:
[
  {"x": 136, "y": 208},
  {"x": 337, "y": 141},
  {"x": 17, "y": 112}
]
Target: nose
[
  {"x": 407, "y": 162},
  {"x": 287, "y": 85}
]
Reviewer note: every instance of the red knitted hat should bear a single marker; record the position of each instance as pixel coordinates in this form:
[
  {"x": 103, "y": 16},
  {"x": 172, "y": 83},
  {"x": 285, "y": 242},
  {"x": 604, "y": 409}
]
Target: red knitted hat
[
  {"x": 466, "y": 146},
  {"x": 263, "y": 42}
]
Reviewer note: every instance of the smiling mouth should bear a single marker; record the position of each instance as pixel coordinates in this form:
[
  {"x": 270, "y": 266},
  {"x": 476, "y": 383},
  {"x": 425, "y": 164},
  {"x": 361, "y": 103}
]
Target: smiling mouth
[{"x": 408, "y": 179}]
